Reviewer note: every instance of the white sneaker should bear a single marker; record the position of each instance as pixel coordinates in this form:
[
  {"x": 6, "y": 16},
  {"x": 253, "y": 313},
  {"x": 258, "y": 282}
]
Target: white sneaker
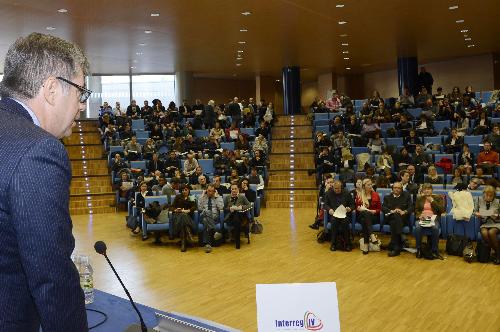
[
  {"x": 373, "y": 238},
  {"x": 217, "y": 236},
  {"x": 208, "y": 248}
]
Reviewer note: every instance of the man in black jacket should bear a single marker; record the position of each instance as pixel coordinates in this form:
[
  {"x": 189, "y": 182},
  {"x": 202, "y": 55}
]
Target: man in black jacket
[
  {"x": 425, "y": 79},
  {"x": 397, "y": 208},
  {"x": 340, "y": 225}
]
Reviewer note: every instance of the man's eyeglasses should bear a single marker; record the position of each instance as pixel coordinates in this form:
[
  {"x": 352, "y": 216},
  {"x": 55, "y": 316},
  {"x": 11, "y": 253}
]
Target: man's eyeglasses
[{"x": 84, "y": 92}]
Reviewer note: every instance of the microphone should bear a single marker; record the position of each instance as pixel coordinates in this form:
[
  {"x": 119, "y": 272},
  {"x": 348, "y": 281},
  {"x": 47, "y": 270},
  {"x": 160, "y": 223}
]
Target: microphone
[{"x": 100, "y": 248}]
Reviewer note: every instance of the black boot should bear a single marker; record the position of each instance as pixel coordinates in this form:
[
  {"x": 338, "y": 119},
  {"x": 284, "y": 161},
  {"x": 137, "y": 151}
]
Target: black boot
[{"x": 183, "y": 241}]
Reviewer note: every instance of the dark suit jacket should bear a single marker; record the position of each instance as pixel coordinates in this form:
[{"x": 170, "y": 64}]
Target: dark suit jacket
[
  {"x": 402, "y": 202},
  {"x": 333, "y": 200},
  {"x": 39, "y": 282}
]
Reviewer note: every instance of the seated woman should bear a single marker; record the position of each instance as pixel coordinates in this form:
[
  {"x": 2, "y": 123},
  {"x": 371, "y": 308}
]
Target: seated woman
[
  {"x": 376, "y": 144},
  {"x": 404, "y": 126},
  {"x": 457, "y": 176},
  {"x": 402, "y": 159},
  {"x": 487, "y": 211},
  {"x": 368, "y": 207},
  {"x": 217, "y": 132},
  {"x": 466, "y": 159},
  {"x": 411, "y": 141},
  {"x": 140, "y": 202},
  {"x": 482, "y": 124},
  {"x": 427, "y": 206},
  {"x": 242, "y": 145},
  {"x": 424, "y": 126},
  {"x": 369, "y": 128},
  {"x": 433, "y": 177},
  {"x": 182, "y": 218},
  {"x": 385, "y": 160},
  {"x": 149, "y": 149},
  {"x": 453, "y": 143}
]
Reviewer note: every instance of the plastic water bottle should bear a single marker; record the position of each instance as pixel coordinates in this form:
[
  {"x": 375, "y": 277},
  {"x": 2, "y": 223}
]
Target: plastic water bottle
[{"x": 84, "y": 267}]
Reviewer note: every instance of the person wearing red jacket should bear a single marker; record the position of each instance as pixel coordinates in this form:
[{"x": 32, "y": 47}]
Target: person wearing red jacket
[
  {"x": 368, "y": 206},
  {"x": 487, "y": 159}
]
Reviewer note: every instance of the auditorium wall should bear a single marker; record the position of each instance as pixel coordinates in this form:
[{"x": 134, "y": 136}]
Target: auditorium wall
[
  {"x": 220, "y": 90},
  {"x": 476, "y": 71}
]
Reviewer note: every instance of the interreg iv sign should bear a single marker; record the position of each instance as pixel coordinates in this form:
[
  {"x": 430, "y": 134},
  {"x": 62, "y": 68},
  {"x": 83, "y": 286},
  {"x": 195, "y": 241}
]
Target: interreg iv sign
[
  {"x": 298, "y": 307},
  {"x": 310, "y": 322}
]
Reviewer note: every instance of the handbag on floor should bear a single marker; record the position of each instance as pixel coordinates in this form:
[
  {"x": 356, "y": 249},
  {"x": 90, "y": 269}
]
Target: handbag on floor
[
  {"x": 455, "y": 244},
  {"x": 469, "y": 253},
  {"x": 256, "y": 227},
  {"x": 482, "y": 252}
]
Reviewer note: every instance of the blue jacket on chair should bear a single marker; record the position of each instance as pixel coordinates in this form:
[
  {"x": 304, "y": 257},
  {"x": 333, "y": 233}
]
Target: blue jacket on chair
[{"x": 39, "y": 284}]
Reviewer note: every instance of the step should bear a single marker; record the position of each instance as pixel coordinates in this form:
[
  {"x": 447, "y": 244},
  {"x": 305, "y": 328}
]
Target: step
[
  {"x": 299, "y": 130},
  {"x": 92, "y": 181},
  {"x": 89, "y": 151},
  {"x": 298, "y": 184},
  {"x": 284, "y": 195},
  {"x": 81, "y": 201},
  {"x": 297, "y": 120},
  {"x": 296, "y": 204},
  {"x": 298, "y": 146},
  {"x": 80, "y": 190},
  {"x": 91, "y": 172},
  {"x": 86, "y": 125},
  {"x": 93, "y": 210},
  {"x": 298, "y": 163},
  {"x": 87, "y": 138}
]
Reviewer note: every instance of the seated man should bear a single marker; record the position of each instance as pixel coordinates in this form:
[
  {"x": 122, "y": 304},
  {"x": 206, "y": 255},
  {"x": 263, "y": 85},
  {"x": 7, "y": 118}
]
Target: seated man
[
  {"x": 133, "y": 149},
  {"x": 236, "y": 206},
  {"x": 118, "y": 163},
  {"x": 202, "y": 183},
  {"x": 210, "y": 205},
  {"x": 488, "y": 158},
  {"x": 171, "y": 164},
  {"x": 397, "y": 208},
  {"x": 218, "y": 187},
  {"x": 340, "y": 224}
]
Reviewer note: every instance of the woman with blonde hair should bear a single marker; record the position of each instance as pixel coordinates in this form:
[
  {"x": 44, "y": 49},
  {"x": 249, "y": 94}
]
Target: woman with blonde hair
[
  {"x": 433, "y": 177},
  {"x": 368, "y": 207},
  {"x": 487, "y": 211}
]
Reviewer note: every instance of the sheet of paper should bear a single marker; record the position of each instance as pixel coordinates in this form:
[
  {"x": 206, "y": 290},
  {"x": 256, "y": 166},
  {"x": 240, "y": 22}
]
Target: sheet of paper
[{"x": 340, "y": 212}]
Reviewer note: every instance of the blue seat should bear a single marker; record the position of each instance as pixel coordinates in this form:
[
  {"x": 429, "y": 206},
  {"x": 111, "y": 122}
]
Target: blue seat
[
  {"x": 115, "y": 148},
  {"x": 321, "y": 116},
  {"x": 154, "y": 227},
  {"x": 201, "y": 133},
  {"x": 227, "y": 146},
  {"x": 207, "y": 165},
  {"x": 495, "y": 120},
  {"x": 486, "y": 95},
  {"x": 318, "y": 123},
  {"x": 438, "y": 156},
  {"x": 433, "y": 140},
  {"x": 141, "y": 134},
  {"x": 414, "y": 112},
  {"x": 359, "y": 102},
  {"x": 248, "y": 131},
  {"x": 140, "y": 164},
  {"x": 384, "y": 127},
  {"x": 324, "y": 129},
  {"x": 466, "y": 228},
  {"x": 360, "y": 149},
  {"x": 397, "y": 141},
  {"x": 476, "y": 139},
  {"x": 475, "y": 149},
  {"x": 138, "y": 125},
  {"x": 256, "y": 210},
  {"x": 440, "y": 125}
]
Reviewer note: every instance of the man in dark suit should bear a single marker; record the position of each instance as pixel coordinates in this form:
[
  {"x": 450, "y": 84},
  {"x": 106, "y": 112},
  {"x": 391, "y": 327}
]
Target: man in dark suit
[
  {"x": 397, "y": 208},
  {"x": 42, "y": 95},
  {"x": 156, "y": 164},
  {"x": 333, "y": 199},
  {"x": 236, "y": 206}
]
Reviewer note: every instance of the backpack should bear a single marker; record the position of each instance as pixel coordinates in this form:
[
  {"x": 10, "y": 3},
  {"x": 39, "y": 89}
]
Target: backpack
[
  {"x": 426, "y": 251},
  {"x": 482, "y": 252}
]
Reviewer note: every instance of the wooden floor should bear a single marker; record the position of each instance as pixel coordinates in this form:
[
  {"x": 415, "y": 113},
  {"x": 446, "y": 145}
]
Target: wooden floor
[{"x": 376, "y": 293}]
